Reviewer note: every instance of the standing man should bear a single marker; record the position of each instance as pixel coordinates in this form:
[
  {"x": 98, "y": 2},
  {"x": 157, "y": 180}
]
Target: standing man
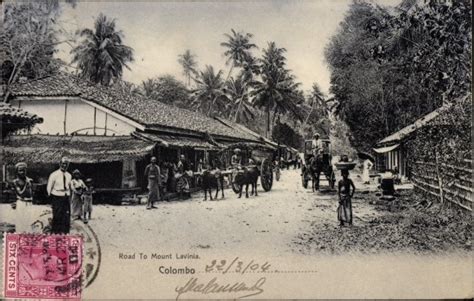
[
  {"x": 59, "y": 190},
  {"x": 153, "y": 175},
  {"x": 24, "y": 199}
]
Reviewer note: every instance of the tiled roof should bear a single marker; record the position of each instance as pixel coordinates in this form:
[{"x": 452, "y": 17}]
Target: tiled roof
[
  {"x": 79, "y": 149},
  {"x": 239, "y": 127},
  {"x": 143, "y": 110}
]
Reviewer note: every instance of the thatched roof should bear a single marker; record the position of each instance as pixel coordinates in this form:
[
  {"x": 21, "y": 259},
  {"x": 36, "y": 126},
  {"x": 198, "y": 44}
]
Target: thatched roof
[
  {"x": 175, "y": 141},
  {"x": 145, "y": 111},
  {"x": 79, "y": 149}
]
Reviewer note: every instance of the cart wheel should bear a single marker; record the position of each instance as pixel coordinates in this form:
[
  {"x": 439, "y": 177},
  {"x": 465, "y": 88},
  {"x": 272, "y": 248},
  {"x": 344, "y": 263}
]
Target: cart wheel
[
  {"x": 266, "y": 175},
  {"x": 305, "y": 183},
  {"x": 332, "y": 180},
  {"x": 235, "y": 186}
]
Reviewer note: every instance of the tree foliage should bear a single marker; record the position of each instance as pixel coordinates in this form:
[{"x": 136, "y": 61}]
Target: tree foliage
[
  {"x": 276, "y": 90},
  {"x": 101, "y": 55},
  {"x": 209, "y": 95},
  {"x": 166, "y": 89},
  {"x": 238, "y": 92},
  {"x": 391, "y": 65},
  {"x": 284, "y": 134},
  {"x": 30, "y": 33},
  {"x": 188, "y": 62}
]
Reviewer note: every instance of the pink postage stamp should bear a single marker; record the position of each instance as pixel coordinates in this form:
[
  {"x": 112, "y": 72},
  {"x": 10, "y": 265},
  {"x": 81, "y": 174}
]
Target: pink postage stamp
[{"x": 42, "y": 266}]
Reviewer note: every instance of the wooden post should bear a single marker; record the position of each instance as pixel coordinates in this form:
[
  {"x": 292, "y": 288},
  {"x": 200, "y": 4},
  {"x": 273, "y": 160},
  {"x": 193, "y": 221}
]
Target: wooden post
[
  {"x": 438, "y": 175},
  {"x": 95, "y": 120},
  {"x": 65, "y": 116},
  {"x": 105, "y": 126}
]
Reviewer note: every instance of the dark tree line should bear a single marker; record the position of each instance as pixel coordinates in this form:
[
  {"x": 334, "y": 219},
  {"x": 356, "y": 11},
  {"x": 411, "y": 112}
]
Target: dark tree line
[{"x": 391, "y": 65}]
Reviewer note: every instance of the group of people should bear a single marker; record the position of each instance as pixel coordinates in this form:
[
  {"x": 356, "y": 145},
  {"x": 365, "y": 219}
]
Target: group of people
[
  {"x": 157, "y": 179},
  {"x": 70, "y": 197}
]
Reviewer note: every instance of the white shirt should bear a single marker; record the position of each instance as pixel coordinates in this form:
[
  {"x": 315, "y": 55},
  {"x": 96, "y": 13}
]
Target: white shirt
[{"x": 59, "y": 183}]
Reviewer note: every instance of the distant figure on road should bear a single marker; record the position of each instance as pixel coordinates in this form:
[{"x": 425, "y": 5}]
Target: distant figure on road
[
  {"x": 24, "y": 199},
  {"x": 367, "y": 166},
  {"x": 153, "y": 176},
  {"x": 59, "y": 189},
  {"x": 346, "y": 190}
]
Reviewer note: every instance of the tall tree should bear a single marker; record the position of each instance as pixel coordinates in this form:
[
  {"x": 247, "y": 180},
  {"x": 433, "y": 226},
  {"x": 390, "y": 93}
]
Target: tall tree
[
  {"x": 187, "y": 60},
  {"x": 209, "y": 95},
  {"x": 276, "y": 90},
  {"x": 391, "y": 66},
  {"x": 239, "y": 48},
  {"x": 316, "y": 101},
  {"x": 101, "y": 56},
  {"x": 31, "y": 32},
  {"x": 238, "y": 92}
]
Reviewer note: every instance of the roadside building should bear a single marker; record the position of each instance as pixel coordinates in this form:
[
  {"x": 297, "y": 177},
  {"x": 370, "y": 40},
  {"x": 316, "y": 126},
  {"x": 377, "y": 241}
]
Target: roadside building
[
  {"x": 392, "y": 151},
  {"x": 107, "y": 133}
]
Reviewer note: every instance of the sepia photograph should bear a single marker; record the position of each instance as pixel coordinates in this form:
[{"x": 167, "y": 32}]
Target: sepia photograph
[{"x": 275, "y": 149}]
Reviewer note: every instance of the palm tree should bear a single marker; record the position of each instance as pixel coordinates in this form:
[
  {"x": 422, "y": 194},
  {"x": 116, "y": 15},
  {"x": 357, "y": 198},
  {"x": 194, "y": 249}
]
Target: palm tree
[
  {"x": 148, "y": 87},
  {"x": 276, "y": 91},
  {"x": 316, "y": 99},
  {"x": 189, "y": 64},
  {"x": 238, "y": 92},
  {"x": 238, "y": 49},
  {"x": 101, "y": 56},
  {"x": 210, "y": 91}
]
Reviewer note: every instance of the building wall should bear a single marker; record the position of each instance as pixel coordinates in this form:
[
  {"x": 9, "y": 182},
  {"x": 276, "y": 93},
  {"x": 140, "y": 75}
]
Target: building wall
[
  {"x": 395, "y": 158},
  {"x": 73, "y": 116}
]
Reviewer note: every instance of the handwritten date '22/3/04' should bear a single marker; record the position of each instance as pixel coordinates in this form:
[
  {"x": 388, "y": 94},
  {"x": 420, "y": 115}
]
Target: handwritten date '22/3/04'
[{"x": 237, "y": 266}]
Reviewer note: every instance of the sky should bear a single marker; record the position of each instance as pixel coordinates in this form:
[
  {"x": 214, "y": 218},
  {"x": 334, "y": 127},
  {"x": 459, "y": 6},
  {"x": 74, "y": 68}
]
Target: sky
[{"x": 160, "y": 31}]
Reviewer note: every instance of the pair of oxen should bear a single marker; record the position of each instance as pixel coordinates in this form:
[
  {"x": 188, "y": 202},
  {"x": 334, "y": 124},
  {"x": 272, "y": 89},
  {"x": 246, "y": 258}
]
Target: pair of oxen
[{"x": 243, "y": 176}]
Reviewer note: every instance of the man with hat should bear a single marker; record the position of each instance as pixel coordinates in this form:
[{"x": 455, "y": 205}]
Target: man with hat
[
  {"x": 236, "y": 159},
  {"x": 59, "y": 190},
  {"x": 316, "y": 143},
  {"x": 153, "y": 176},
  {"x": 24, "y": 199}
]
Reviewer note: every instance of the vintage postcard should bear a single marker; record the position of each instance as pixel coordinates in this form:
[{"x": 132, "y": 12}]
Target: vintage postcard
[{"x": 236, "y": 149}]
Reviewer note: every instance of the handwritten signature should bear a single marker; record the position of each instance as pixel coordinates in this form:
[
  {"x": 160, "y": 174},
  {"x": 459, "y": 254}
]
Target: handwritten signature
[{"x": 194, "y": 285}]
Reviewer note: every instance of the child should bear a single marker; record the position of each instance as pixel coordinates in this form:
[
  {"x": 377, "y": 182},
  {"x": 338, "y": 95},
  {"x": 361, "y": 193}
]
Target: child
[
  {"x": 344, "y": 211},
  {"x": 77, "y": 187},
  {"x": 87, "y": 199}
]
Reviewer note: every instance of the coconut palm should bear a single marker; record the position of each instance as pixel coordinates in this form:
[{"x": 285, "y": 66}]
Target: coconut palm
[
  {"x": 189, "y": 64},
  {"x": 101, "y": 56},
  {"x": 210, "y": 92},
  {"x": 238, "y": 93},
  {"x": 148, "y": 87},
  {"x": 316, "y": 99},
  {"x": 276, "y": 91},
  {"x": 238, "y": 49}
]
